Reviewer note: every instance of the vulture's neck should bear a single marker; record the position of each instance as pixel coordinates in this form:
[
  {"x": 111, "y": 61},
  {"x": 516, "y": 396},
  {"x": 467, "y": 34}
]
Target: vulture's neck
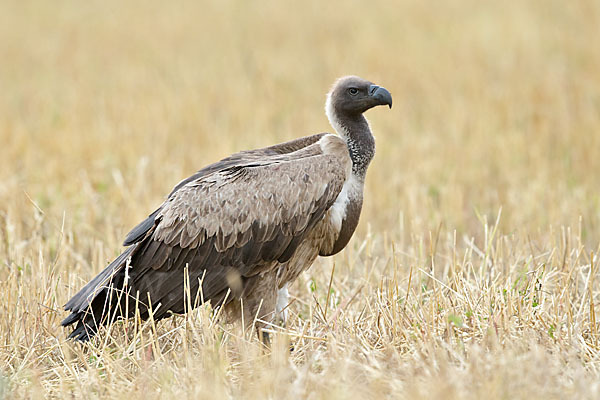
[{"x": 356, "y": 131}]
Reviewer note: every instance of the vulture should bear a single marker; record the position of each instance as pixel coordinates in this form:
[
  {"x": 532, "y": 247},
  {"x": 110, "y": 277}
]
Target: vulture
[{"x": 238, "y": 231}]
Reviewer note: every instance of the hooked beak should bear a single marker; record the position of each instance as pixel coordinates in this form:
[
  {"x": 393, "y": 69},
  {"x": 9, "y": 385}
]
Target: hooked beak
[{"x": 381, "y": 95}]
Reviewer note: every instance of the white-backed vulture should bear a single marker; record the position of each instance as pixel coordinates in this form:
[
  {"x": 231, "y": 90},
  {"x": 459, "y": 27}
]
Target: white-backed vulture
[{"x": 243, "y": 227}]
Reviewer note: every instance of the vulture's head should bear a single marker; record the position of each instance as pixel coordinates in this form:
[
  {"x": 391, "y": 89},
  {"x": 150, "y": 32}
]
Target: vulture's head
[{"x": 351, "y": 96}]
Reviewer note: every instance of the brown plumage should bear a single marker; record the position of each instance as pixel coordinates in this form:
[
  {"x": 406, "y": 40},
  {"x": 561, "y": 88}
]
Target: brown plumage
[{"x": 244, "y": 227}]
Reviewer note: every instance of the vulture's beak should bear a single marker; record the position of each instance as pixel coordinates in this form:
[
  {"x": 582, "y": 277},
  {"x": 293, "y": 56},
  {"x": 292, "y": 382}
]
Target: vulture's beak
[{"x": 381, "y": 95}]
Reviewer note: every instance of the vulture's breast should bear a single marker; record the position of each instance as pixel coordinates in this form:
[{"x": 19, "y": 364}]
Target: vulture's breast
[{"x": 342, "y": 218}]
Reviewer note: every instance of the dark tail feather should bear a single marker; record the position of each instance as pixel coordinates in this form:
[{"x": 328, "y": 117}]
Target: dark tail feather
[
  {"x": 89, "y": 304},
  {"x": 86, "y": 295},
  {"x": 73, "y": 317},
  {"x": 88, "y": 321},
  {"x": 83, "y": 332}
]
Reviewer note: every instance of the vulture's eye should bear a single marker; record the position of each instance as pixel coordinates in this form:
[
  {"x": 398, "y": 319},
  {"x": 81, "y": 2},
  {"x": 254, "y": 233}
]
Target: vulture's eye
[{"x": 353, "y": 91}]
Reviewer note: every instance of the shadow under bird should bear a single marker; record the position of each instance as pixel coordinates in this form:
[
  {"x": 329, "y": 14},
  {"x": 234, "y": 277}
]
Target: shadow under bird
[{"x": 244, "y": 227}]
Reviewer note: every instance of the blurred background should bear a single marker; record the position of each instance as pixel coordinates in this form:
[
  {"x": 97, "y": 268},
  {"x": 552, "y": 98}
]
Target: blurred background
[{"x": 105, "y": 106}]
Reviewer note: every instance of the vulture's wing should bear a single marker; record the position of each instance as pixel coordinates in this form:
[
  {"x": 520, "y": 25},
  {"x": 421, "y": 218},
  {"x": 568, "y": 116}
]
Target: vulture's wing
[
  {"x": 140, "y": 230},
  {"x": 227, "y": 226},
  {"x": 233, "y": 224}
]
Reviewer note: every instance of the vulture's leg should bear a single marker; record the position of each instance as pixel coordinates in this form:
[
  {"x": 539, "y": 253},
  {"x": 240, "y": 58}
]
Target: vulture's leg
[
  {"x": 281, "y": 307},
  {"x": 260, "y": 305}
]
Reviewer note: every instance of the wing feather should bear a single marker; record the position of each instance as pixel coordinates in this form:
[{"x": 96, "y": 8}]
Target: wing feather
[
  {"x": 235, "y": 221},
  {"x": 139, "y": 232},
  {"x": 257, "y": 216}
]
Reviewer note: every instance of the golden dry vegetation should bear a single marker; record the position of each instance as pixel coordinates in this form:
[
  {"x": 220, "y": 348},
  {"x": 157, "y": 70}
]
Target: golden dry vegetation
[{"x": 474, "y": 271}]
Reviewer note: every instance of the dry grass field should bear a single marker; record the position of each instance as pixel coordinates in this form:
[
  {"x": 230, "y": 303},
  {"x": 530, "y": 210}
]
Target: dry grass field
[{"x": 474, "y": 271}]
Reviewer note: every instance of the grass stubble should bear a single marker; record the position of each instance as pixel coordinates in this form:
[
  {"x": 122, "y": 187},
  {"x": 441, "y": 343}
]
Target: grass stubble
[{"x": 473, "y": 274}]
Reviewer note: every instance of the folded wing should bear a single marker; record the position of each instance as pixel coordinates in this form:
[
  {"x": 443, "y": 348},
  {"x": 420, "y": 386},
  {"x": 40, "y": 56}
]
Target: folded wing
[{"x": 221, "y": 228}]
